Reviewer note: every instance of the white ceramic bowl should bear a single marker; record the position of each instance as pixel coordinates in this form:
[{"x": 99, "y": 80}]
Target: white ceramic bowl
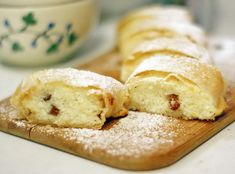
[{"x": 35, "y": 36}]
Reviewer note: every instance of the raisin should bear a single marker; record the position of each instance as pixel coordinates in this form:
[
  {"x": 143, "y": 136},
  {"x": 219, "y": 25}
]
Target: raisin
[
  {"x": 47, "y": 98},
  {"x": 174, "y": 102},
  {"x": 54, "y": 110},
  {"x": 111, "y": 101},
  {"x": 29, "y": 112},
  {"x": 99, "y": 115}
]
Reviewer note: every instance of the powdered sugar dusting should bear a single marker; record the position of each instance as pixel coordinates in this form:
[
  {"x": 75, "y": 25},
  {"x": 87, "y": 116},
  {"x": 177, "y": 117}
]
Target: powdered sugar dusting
[
  {"x": 10, "y": 116},
  {"x": 132, "y": 136},
  {"x": 7, "y": 110},
  {"x": 21, "y": 123},
  {"x": 171, "y": 45},
  {"x": 73, "y": 77}
]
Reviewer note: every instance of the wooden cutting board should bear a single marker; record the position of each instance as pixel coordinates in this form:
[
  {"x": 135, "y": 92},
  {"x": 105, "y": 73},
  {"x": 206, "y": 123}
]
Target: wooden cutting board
[{"x": 139, "y": 141}]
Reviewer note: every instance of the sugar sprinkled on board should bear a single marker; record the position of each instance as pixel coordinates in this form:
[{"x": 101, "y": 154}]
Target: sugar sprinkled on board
[
  {"x": 134, "y": 135},
  {"x": 7, "y": 110},
  {"x": 10, "y": 115},
  {"x": 22, "y": 124}
]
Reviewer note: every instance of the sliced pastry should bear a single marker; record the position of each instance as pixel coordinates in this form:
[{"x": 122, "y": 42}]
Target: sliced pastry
[
  {"x": 70, "y": 98},
  {"x": 184, "y": 88}
]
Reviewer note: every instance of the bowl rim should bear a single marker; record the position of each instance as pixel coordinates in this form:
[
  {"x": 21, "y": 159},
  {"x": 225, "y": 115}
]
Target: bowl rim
[{"x": 5, "y": 6}]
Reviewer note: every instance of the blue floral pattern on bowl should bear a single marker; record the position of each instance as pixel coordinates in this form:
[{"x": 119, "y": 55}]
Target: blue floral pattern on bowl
[{"x": 28, "y": 20}]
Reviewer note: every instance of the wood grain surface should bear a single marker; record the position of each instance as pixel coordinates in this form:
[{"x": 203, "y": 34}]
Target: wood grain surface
[{"x": 139, "y": 141}]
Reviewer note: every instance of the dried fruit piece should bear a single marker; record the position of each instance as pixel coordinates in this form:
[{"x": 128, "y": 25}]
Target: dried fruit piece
[
  {"x": 54, "y": 110},
  {"x": 111, "y": 100},
  {"x": 99, "y": 115},
  {"x": 47, "y": 97},
  {"x": 174, "y": 101}
]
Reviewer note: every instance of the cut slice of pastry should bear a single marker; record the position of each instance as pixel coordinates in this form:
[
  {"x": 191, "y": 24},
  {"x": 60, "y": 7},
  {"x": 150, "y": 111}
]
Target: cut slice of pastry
[
  {"x": 70, "y": 98},
  {"x": 182, "y": 87},
  {"x": 159, "y": 13},
  {"x": 174, "y": 47},
  {"x": 136, "y": 33}
]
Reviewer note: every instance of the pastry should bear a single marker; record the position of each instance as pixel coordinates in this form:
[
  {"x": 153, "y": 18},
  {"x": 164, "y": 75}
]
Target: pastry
[
  {"x": 70, "y": 98},
  {"x": 174, "y": 47},
  {"x": 136, "y": 33},
  {"x": 180, "y": 87}
]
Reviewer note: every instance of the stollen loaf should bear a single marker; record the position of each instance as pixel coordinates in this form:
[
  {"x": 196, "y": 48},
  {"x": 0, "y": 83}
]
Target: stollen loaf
[
  {"x": 184, "y": 88},
  {"x": 174, "y": 47},
  {"x": 70, "y": 98}
]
